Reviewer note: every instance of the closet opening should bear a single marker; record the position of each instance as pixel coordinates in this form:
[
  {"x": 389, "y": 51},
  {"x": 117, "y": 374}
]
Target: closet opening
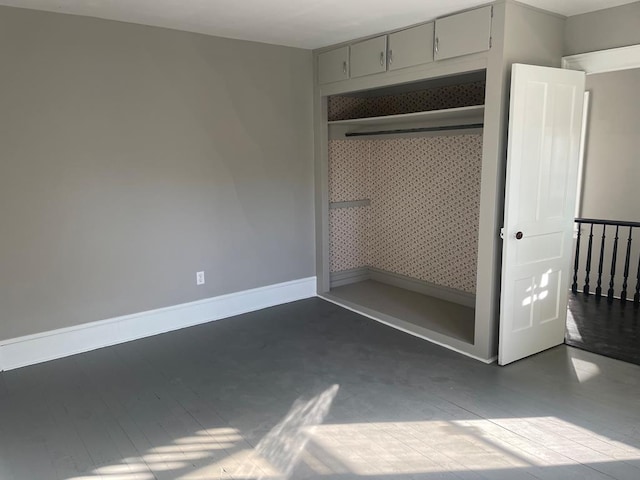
[{"x": 404, "y": 198}]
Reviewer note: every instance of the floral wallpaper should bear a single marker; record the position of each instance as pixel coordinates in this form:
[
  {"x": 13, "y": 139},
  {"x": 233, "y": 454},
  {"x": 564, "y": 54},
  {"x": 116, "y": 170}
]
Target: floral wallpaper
[{"x": 425, "y": 200}]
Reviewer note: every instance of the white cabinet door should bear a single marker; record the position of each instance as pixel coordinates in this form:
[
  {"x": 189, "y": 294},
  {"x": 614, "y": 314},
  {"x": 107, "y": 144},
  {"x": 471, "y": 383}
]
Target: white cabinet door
[
  {"x": 413, "y": 46},
  {"x": 462, "y": 34},
  {"x": 369, "y": 57},
  {"x": 333, "y": 65},
  {"x": 545, "y": 123}
]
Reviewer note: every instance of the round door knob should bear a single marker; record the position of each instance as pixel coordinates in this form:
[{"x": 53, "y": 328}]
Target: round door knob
[{"x": 519, "y": 235}]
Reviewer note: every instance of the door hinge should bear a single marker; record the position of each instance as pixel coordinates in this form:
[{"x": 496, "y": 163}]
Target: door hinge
[
  {"x": 490, "y": 41},
  {"x": 502, "y": 233},
  {"x": 491, "y": 11}
]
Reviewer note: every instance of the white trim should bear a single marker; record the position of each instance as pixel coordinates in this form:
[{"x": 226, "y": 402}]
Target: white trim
[
  {"x": 602, "y": 61},
  {"x": 583, "y": 143},
  {"x": 45, "y": 346},
  {"x": 397, "y": 327}
]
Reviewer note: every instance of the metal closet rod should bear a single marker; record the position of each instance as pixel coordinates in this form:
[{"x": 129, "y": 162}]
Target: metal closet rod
[{"x": 415, "y": 130}]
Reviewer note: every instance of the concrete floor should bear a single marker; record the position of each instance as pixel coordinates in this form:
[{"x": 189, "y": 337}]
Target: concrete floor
[{"x": 238, "y": 399}]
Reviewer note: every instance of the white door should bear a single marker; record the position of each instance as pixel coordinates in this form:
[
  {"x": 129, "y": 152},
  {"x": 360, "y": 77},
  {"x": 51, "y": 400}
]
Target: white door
[{"x": 542, "y": 169}]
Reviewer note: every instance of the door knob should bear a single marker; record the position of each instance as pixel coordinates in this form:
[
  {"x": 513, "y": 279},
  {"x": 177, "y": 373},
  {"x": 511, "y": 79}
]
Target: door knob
[{"x": 519, "y": 235}]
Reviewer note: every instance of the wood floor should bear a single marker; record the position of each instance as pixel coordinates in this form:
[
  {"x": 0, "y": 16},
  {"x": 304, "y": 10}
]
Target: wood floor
[
  {"x": 611, "y": 329},
  {"x": 236, "y": 399}
]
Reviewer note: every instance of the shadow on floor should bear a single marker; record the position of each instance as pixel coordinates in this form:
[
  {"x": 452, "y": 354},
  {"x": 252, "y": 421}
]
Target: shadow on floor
[{"x": 610, "y": 329}]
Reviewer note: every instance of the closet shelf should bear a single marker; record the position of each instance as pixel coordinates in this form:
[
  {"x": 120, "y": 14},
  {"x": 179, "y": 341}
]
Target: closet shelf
[{"x": 453, "y": 116}]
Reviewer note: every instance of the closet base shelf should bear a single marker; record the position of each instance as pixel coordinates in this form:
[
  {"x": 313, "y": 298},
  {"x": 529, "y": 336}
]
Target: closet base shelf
[
  {"x": 345, "y": 277},
  {"x": 441, "y": 322}
]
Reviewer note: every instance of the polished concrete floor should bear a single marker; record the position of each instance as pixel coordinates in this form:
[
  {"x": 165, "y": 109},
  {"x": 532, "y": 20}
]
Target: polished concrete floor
[
  {"x": 611, "y": 329},
  {"x": 239, "y": 398}
]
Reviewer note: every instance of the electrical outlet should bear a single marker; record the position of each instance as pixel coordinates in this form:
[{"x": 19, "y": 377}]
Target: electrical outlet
[{"x": 199, "y": 278}]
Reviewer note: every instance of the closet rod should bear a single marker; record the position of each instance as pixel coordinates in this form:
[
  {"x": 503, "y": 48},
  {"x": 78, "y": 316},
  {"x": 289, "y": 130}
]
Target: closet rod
[{"x": 415, "y": 130}]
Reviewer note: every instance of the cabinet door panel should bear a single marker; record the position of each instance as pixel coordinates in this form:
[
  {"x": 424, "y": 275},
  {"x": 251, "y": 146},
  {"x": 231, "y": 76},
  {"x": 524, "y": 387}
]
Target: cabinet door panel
[
  {"x": 413, "y": 46},
  {"x": 333, "y": 65},
  {"x": 464, "y": 33},
  {"x": 369, "y": 57}
]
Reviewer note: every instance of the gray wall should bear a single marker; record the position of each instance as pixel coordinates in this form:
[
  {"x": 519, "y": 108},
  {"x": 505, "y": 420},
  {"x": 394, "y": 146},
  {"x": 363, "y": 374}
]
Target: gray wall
[
  {"x": 612, "y": 155},
  {"x": 609, "y": 28},
  {"x": 132, "y": 157},
  {"x": 611, "y": 168}
]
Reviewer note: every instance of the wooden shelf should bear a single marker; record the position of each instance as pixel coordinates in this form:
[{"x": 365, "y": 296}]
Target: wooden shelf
[{"x": 452, "y": 116}]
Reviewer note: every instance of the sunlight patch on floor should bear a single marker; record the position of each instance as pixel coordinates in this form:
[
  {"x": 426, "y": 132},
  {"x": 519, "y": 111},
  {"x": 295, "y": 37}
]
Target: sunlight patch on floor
[
  {"x": 584, "y": 369},
  {"x": 572, "y": 327},
  {"x": 222, "y": 453},
  {"x": 376, "y": 448},
  {"x": 482, "y": 444}
]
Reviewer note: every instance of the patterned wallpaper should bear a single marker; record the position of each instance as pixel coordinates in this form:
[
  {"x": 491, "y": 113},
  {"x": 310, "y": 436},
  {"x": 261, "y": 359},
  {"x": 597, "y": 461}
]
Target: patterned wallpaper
[
  {"x": 452, "y": 96},
  {"x": 348, "y": 163},
  {"x": 425, "y": 200},
  {"x": 348, "y": 244}
]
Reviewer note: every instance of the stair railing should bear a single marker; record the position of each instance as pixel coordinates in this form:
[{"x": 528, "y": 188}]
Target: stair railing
[{"x": 618, "y": 232}]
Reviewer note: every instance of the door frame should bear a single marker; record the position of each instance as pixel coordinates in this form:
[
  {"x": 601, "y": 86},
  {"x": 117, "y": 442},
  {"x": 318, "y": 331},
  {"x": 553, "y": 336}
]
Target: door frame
[
  {"x": 599, "y": 61},
  {"x": 603, "y": 61}
]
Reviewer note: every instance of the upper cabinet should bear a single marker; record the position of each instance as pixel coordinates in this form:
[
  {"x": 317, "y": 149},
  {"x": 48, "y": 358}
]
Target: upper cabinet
[
  {"x": 369, "y": 57},
  {"x": 333, "y": 65},
  {"x": 462, "y": 34},
  {"x": 413, "y": 46},
  {"x": 456, "y": 35}
]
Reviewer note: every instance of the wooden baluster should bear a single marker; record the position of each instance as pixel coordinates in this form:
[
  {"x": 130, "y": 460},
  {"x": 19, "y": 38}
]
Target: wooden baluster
[
  {"x": 636, "y": 297},
  {"x": 574, "y": 285},
  {"x": 599, "y": 286},
  {"x": 585, "y": 289},
  {"x": 613, "y": 266},
  {"x": 623, "y": 294}
]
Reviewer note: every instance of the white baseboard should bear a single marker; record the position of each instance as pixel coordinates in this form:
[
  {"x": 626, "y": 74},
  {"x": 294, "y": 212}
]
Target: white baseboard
[{"x": 45, "y": 346}]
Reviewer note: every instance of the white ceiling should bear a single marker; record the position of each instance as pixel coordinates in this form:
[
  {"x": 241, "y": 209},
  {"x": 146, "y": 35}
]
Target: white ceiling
[{"x": 297, "y": 23}]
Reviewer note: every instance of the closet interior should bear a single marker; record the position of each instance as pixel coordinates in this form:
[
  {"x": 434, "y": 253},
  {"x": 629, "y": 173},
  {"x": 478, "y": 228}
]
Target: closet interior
[{"x": 404, "y": 196}]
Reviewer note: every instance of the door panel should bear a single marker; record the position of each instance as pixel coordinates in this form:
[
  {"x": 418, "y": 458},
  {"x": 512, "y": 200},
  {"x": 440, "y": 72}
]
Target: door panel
[
  {"x": 542, "y": 168},
  {"x": 463, "y": 33},
  {"x": 413, "y": 46},
  {"x": 536, "y": 248},
  {"x": 333, "y": 65},
  {"x": 369, "y": 57}
]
